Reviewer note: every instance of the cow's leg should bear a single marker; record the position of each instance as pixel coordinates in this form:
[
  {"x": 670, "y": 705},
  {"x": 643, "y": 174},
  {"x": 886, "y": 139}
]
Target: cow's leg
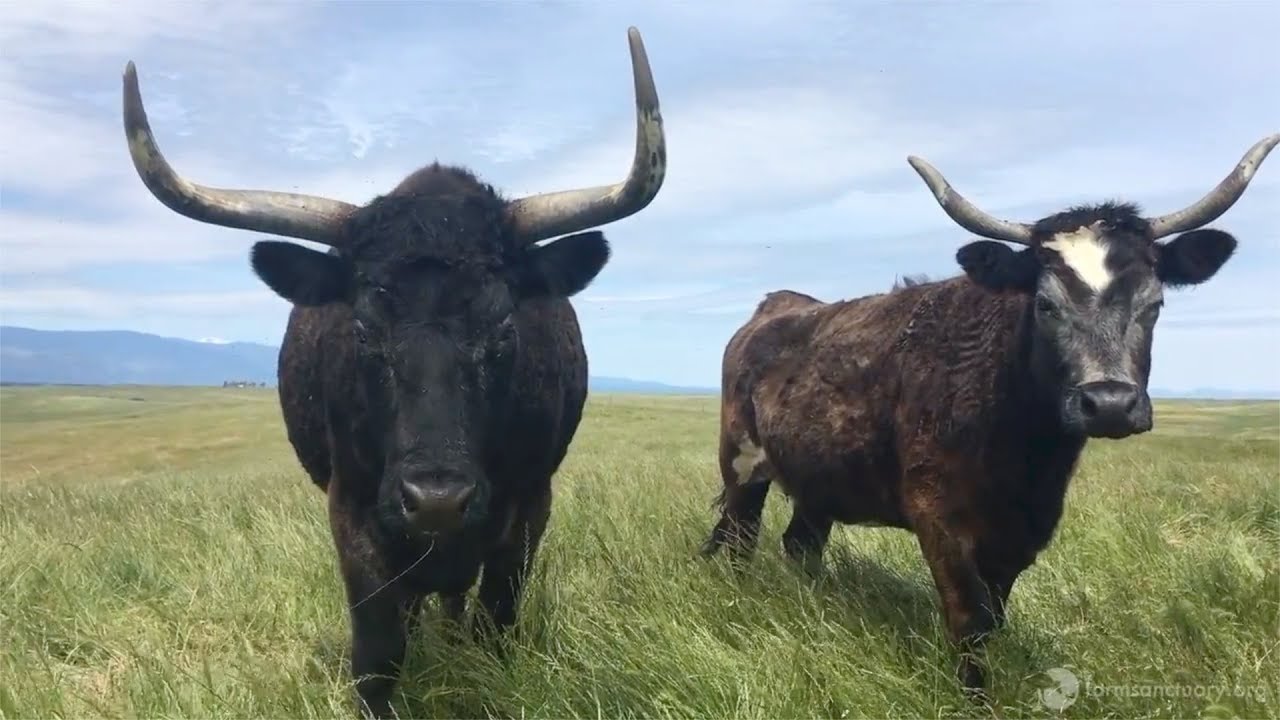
[
  {"x": 746, "y": 475},
  {"x": 1000, "y": 564},
  {"x": 967, "y": 605},
  {"x": 379, "y": 610},
  {"x": 806, "y": 536},
  {"x": 506, "y": 568},
  {"x": 739, "y": 524},
  {"x": 999, "y": 584},
  {"x": 380, "y": 622}
]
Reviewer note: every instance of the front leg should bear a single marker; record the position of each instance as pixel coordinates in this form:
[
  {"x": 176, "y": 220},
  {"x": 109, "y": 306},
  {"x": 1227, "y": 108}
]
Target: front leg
[
  {"x": 1001, "y": 562},
  {"x": 382, "y": 613},
  {"x": 507, "y": 566},
  {"x": 381, "y": 621},
  {"x": 967, "y": 606}
]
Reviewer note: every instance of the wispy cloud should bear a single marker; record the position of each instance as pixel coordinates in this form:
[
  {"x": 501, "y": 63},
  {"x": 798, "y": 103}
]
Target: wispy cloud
[{"x": 122, "y": 306}]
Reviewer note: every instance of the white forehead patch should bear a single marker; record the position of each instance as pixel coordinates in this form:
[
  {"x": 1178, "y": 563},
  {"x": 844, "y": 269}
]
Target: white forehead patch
[{"x": 1085, "y": 252}]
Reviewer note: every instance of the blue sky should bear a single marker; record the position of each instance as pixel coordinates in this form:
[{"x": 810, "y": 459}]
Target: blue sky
[{"x": 788, "y": 128}]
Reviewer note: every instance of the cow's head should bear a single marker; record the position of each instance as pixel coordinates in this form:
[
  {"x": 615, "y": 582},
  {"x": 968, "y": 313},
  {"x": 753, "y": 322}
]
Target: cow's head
[
  {"x": 433, "y": 273},
  {"x": 1096, "y": 276}
]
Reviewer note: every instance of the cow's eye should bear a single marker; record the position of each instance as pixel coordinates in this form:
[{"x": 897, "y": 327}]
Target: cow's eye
[{"x": 1045, "y": 306}]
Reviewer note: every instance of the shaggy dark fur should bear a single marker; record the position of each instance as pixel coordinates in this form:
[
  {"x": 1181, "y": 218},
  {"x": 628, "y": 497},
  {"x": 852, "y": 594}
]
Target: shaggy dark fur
[
  {"x": 432, "y": 351},
  {"x": 940, "y": 407}
]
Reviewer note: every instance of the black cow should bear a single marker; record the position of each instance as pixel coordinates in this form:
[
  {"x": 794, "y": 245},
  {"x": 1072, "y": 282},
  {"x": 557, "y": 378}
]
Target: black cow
[{"x": 432, "y": 374}]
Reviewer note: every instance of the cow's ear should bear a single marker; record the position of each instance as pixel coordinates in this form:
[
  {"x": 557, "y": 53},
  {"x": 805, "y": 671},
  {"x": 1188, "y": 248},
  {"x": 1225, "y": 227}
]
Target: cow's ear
[
  {"x": 997, "y": 266},
  {"x": 562, "y": 268},
  {"x": 301, "y": 275},
  {"x": 1194, "y": 257}
]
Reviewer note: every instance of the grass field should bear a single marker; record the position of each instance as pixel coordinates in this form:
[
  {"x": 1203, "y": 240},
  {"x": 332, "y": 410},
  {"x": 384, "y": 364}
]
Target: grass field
[{"x": 162, "y": 554}]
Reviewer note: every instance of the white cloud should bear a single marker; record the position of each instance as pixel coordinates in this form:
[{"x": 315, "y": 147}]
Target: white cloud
[
  {"x": 121, "y": 306},
  {"x": 788, "y": 127},
  {"x": 767, "y": 148},
  {"x": 46, "y": 146},
  {"x": 70, "y": 31},
  {"x": 59, "y": 142},
  {"x": 743, "y": 308},
  {"x": 34, "y": 243},
  {"x": 655, "y": 293}
]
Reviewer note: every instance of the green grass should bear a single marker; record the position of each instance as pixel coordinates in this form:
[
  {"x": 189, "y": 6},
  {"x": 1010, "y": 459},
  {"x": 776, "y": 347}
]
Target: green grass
[{"x": 162, "y": 554}]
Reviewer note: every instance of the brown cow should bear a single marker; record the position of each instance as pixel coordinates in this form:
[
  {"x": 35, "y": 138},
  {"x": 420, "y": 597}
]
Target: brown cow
[{"x": 957, "y": 409}]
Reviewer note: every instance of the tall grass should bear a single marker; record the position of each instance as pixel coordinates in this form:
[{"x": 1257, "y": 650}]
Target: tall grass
[{"x": 162, "y": 554}]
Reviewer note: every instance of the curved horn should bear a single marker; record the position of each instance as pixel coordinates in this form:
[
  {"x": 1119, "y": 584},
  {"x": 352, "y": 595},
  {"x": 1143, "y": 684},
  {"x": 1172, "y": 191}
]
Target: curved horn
[
  {"x": 966, "y": 214},
  {"x": 1221, "y": 198},
  {"x": 538, "y": 217},
  {"x": 300, "y": 216}
]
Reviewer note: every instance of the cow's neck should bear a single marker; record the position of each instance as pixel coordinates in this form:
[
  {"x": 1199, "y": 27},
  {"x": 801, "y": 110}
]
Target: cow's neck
[{"x": 1035, "y": 429}]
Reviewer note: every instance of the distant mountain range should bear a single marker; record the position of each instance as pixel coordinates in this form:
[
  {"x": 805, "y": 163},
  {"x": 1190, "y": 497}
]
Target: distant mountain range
[
  {"x": 123, "y": 357},
  {"x": 120, "y": 357}
]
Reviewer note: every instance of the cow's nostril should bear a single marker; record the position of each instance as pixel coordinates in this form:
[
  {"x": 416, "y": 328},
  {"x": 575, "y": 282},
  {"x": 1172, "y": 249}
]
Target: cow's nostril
[
  {"x": 1088, "y": 406},
  {"x": 1130, "y": 402},
  {"x": 412, "y": 496},
  {"x": 462, "y": 498},
  {"x": 432, "y": 505}
]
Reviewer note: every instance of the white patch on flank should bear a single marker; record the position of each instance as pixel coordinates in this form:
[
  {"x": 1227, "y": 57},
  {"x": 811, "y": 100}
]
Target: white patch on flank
[
  {"x": 749, "y": 457},
  {"x": 1085, "y": 252}
]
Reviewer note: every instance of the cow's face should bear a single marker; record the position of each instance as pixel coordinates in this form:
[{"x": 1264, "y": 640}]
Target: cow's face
[
  {"x": 433, "y": 286},
  {"x": 1096, "y": 282}
]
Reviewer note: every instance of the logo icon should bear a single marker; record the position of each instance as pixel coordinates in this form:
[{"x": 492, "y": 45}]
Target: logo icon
[{"x": 1064, "y": 694}]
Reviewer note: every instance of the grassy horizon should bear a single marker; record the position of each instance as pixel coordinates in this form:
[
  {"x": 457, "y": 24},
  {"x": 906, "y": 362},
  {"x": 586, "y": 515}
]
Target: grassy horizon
[{"x": 162, "y": 553}]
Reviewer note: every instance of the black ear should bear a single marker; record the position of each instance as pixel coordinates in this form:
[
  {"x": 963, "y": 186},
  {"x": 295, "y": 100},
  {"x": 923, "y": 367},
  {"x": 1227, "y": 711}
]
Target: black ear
[
  {"x": 996, "y": 266},
  {"x": 563, "y": 268},
  {"x": 301, "y": 275},
  {"x": 1193, "y": 257}
]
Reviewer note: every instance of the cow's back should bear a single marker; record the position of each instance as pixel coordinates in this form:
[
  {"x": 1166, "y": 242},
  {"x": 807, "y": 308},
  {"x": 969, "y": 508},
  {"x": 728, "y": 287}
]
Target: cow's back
[
  {"x": 774, "y": 331},
  {"x": 815, "y": 387},
  {"x": 918, "y": 374}
]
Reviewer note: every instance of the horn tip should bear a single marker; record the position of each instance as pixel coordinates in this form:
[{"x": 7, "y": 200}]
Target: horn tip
[
  {"x": 636, "y": 43},
  {"x": 920, "y": 165},
  {"x": 646, "y": 92}
]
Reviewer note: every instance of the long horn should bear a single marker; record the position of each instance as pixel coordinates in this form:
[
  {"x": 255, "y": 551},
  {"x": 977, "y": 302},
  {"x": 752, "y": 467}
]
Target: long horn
[
  {"x": 1221, "y": 198},
  {"x": 538, "y": 217},
  {"x": 966, "y": 214},
  {"x": 300, "y": 216}
]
